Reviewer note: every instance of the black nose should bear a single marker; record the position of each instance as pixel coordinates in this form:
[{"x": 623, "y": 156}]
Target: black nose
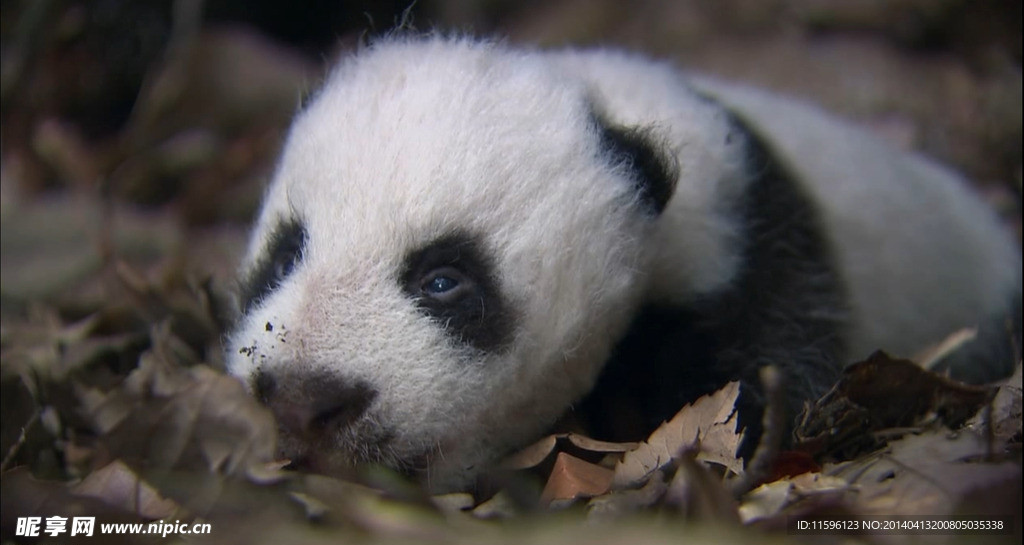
[{"x": 308, "y": 405}]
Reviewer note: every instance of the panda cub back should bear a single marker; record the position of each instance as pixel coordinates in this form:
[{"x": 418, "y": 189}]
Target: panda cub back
[{"x": 463, "y": 240}]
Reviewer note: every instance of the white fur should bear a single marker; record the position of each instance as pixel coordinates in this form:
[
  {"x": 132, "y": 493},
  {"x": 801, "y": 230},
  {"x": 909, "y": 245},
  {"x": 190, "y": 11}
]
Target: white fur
[
  {"x": 413, "y": 138},
  {"x": 920, "y": 255}
]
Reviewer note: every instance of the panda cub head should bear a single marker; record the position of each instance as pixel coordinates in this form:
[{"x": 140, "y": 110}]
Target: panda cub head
[{"x": 450, "y": 247}]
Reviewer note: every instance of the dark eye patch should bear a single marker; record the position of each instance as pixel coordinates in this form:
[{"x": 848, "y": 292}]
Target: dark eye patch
[
  {"x": 453, "y": 281},
  {"x": 283, "y": 255}
]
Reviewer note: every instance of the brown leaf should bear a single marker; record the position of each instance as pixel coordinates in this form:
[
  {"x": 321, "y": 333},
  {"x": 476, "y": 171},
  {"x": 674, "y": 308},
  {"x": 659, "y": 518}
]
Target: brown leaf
[
  {"x": 455, "y": 502},
  {"x": 500, "y": 506},
  {"x": 791, "y": 463},
  {"x": 882, "y": 393},
  {"x": 595, "y": 445},
  {"x": 531, "y": 456},
  {"x": 116, "y": 484},
  {"x": 617, "y": 503},
  {"x": 22, "y": 495},
  {"x": 764, "y": 501},
  {"x": 1002, "y": 417},
  {"x": 699, "y": 494},
  {"x": 773, "y": 500},
  {"x": 53, "y": 248},
  {"x": 926, "y": 474},
  {"x": 166, "y": 417},
  {"x": 20, "y": 417},
  {"x": 709, "y": 422},
  {"x": 535, "y": 454},
  {"x": 574, "y": 478}
]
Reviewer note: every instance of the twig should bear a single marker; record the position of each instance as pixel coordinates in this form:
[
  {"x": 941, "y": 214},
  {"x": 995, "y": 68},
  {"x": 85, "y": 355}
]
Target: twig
[
  {"x": 773, "y": 423},
  {"x": 16, "y": 447}
]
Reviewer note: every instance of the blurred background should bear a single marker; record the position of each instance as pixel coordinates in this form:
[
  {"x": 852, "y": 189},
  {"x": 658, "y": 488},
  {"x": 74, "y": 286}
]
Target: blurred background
[{"x": 142, "y": 132}]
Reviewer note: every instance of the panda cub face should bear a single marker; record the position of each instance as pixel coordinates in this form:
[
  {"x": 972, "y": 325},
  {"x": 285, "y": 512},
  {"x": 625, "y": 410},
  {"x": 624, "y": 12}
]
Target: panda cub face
[{"x": 448, "y": 250}]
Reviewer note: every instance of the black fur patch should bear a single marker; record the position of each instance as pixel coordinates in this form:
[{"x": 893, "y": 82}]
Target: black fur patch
[
  {"x": 654, "y": 174},
  {"x": 787, "y": 308},
  {"x": 477, "y": 314},
  {"x": 283, "y": 254}
]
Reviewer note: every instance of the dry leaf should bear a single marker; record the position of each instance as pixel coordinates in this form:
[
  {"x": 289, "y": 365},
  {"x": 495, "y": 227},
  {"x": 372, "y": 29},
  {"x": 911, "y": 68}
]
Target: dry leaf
[
  {"x": 574, "y": 478},
  {"x": 809, "y": 484},
  {"x": 1003, "y": 415},
  {"x": 454, "y": 502},
  {"x": 926, "y": 474},
  {"x": 166, "y": 417},
  {"x": 773, "y": 500},
  {"x": 595, "y": 445},
  {"x": 116, "y": 484},
  {"x": 882, "y": 393},
  {"x": 617, "y": 503},
  {"x": 52, "y": 247},
  {"x": 535, "y": 454},
  {"x": 499, "y": 506},
  {"x": 764, "y": 501},
  {"x": 531, "y": 456},
  {"x": 22, "y": 495},
  {"x": 699, "y": 494},
  {"x": 313, "y": 508},
  {"x": 790, "y": 463},
  {"x": 710, "y": 420}
]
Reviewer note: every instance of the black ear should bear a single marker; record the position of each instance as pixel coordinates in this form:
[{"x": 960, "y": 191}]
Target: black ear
[{"x": 654, "y": 172}]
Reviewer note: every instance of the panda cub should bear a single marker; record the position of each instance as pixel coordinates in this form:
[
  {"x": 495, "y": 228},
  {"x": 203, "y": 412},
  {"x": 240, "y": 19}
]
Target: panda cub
[{"x": 463, "y": 239}]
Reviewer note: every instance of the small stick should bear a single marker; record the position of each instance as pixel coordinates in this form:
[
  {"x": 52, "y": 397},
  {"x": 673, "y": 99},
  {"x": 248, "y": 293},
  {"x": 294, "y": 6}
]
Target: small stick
[{"x": 773, "y": 424}]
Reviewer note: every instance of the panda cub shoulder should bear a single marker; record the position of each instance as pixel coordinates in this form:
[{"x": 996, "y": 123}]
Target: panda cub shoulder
[{"x": 463, "y": 240}]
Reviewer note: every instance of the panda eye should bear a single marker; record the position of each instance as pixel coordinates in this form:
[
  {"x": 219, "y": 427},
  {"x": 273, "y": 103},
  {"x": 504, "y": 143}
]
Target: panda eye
[
  {"x": 453, "y": 281},
  {"x": 284, "y": 253},
  {"x": 445, "y": 284},
  {"x": 285, "y": 263},
  {"x": 441, "y": 284}
]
